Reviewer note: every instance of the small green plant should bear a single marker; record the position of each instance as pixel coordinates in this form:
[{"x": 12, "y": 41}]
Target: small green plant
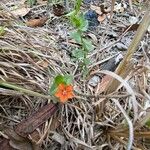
[
  {"x": 81, "y": 25},
  {"x": 60, "y": 79},
  {"x": 62, "y": 88}
]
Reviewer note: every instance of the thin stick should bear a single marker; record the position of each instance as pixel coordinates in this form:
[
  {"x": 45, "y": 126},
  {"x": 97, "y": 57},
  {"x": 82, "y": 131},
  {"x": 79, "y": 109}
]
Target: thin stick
[
  {"x": 22, "y": 90},
  {"x": 131, "y": 133}
]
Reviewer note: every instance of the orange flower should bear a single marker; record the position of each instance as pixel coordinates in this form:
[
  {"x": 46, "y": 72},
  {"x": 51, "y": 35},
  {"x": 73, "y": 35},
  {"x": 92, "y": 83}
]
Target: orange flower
[{"x": 64, "y": 92}]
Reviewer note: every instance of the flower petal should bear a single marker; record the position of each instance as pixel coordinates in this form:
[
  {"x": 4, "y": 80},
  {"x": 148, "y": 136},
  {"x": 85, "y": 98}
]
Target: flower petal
[
  {"x": 63, "y": 99},
  {"x": 58, "y": 94},
  {"x": 70, "y": 95},
  {"x": 64, "y": 92},
  {"x": 61, "y": 86},
  {"x": 69, "y": 88}
]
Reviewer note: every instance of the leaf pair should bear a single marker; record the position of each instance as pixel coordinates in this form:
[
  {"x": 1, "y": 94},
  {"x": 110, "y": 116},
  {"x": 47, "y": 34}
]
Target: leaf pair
[
  {"x": 79, "y": 22},
  {"x": 88, "y": 46}
]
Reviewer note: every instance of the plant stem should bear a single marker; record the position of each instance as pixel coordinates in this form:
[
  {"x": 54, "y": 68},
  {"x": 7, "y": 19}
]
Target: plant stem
[
  {"x": 123, "y": 66},
  {"x": 22, "y": 90},
  {"x": 83, "y": 48}
]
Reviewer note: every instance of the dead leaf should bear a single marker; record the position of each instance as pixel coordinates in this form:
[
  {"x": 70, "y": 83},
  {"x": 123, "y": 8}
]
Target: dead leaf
[
  {"x": 35, "y": 136},
  {"x": 26, "y": 127},
  {"x": 55, "y": 123},
  {"x": 104, "y": 83},
  {"x": 58, "y": 137},
  {"x": 43, "y": 63},
  {"x": 101, "y": 18},
  {"x": 20, "y": 145},
  {"x": 13, "y": 135},
  {"x": 108, "y": 10},
  {"x": 18, "y": 142},
  {"x": 36, "y": 22},
  {"x": 108, "y": 15},
  {"x": 58, "y": 10},
  {"x": 4, "y": 144},
  {"x": 105, "y": 9},
  {"x": 97, "y": 9},
  {"x": 21, "y": 11}
]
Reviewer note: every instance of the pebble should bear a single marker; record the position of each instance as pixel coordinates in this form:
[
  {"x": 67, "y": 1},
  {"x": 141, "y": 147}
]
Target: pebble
[
  {"x": 92, "y": 16},
  {"x": 121, "y": 46},
  {"x": 112, "y": 64},
  {"x": 94, "y": 81},
  {"x": 88, "y": 1}
]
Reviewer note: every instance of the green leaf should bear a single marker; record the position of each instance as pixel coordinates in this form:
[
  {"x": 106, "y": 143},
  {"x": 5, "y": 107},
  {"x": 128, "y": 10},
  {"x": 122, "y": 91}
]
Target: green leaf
[
  {"x": 75, "y": 21},
  {"x": 78, "y": 5},
  {"x": 88, "y": 45},
  {"x": 2, "y": 31},
  {"x": 70, "y": 14},
  {"x": 68, "y": 79},
  {"x": 79, "y": 54},
  {"x": 148, "y": 123},
  {"x": 76, "y": 35},
  {"x": 86, "y": 61},
  {"x": 79, "y": 22},
  {"x": 53, "y": 89},
  {"x": 31, "y": 2},
  {"x": 59, "y": 79},
  {"x": 83, "y": 23}
]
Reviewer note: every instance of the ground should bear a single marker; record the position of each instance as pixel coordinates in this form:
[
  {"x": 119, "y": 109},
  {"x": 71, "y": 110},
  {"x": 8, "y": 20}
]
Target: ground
[{"x": 36, "y": 46}]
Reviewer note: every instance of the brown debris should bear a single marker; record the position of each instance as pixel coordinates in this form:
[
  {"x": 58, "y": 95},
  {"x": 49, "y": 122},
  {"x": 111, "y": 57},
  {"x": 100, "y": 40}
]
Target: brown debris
[
  {"x": 36, "y": 22},
  {"x": 58, "y": 10},
  {"x": 31, "y": 57},
  {"x": 35, "y": 120},
  {"x": 4, "y": 144},
  {"x": 19, "y": 138}
]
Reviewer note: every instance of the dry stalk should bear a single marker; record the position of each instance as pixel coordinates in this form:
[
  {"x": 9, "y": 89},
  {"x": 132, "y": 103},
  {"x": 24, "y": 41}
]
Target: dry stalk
[
  {"x": 22, "y": 90},
  {"x": 131, "y": 136},
  {"x": 121, "y": 70}
]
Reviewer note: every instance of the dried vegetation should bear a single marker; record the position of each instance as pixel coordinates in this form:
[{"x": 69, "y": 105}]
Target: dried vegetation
[{"x": 104, "y": 114}]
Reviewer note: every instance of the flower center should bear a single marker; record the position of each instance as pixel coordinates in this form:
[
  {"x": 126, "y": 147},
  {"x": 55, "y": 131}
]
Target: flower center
[{"x": 64, "y": 92}]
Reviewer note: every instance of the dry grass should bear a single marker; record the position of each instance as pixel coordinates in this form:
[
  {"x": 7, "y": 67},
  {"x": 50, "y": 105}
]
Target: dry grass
[{"x": 32, "y": 57}]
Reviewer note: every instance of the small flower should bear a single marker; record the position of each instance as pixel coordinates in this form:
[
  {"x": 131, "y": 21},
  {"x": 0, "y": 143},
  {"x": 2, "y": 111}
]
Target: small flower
[{"x": 64, "y": 92}]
